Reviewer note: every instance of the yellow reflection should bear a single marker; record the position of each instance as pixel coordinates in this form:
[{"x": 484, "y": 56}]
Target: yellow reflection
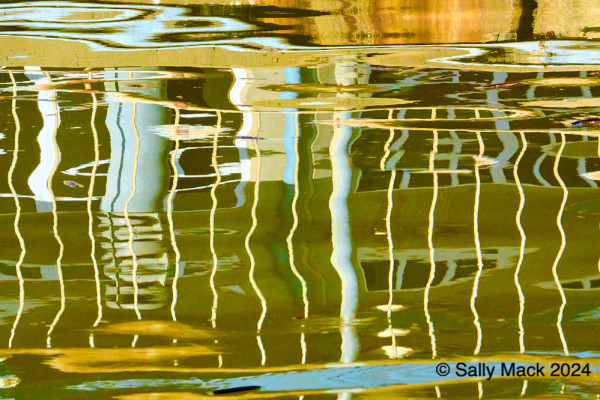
[
  {"x": 128, "y": 221},
  {"x": 90, "y": 215},
  {"x": 477, "y": 245},
  {"x": 213, "y": 210},
  {"x": 386, "y": 147},
  {"x": 61, "y": 246},
  {"x": 291, "y": 236},
  {"x": 263, "y": 300},
  {"x": 388, "y": 228},
  {"x": 11, "y": 170},
  {"x": 170, "y": 219},
  {"x": 563, "y": 244},
  {"x": 167, "y": 329},
  {"x": 396, "y": 351},
  {"x": 522, "y": 246},
  {"x": 434, "y": 151}
]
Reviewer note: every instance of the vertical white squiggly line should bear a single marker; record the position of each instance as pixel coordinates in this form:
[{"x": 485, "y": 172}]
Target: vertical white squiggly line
[
  {"x": 291, "y": 236},
  {"x": 563, "y": 244},
  {"x": 128, "y": 221},
  {"x": 388, "y": 143},
  {"x": 11, "y": 171},
  {"x": 477, "y": 245},
  {"x": 434, "y": 151},
  {"x": 170, "y": 219},
  {"x": 90, "y": 214},
  {"x": 211, "y": 230},
  {"x": 388, "y": 229},
  {"x": 55, "y": 220},
  {"x": 213, "y": 210},
  {"x": 522, "y": 245},
  {"x": 261, "y": 297}
]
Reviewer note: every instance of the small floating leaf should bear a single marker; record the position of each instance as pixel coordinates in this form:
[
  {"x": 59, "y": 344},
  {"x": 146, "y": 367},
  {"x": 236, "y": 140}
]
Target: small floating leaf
[
  {"x": 592, "y": 175},
  {"x": 73, "y": 184},
  {"x": 445, "y": 76},
  {"x": 249, "y": 137},
  {"x": 499, "y": 85}
]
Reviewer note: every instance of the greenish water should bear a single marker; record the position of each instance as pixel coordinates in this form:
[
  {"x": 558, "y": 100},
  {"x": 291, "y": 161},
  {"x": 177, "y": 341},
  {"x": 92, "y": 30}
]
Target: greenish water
[{"x": 263, "y": 196}]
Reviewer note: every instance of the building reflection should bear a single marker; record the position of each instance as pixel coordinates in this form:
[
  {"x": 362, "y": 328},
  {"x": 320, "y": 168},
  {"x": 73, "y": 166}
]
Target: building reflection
[{"x": 273, "y": 195}]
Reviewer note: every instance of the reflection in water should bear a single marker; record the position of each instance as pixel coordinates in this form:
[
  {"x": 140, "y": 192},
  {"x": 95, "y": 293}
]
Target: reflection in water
[
  {"x": 90, "y": 213},
  {"x": 134, "y": 266},
  {"x": 351, "y": 224},
  {"x": 170, "y": 198},
  {"x": 563, "y": 244},
  {"x": 213, "y": 209},
  {"x": 476, "y": 322},
  {"x": 430, "y": 242},
  {"x": 11, "y": 186},
  {"x": 341, "y": 254},
  {"x": 390, "y": 240},
  {"x": 523, "y": 240},
  {"x": 259, "y": 294},
  {"x": 290, "y": 238},
  {"x": 53, "y": 115}
]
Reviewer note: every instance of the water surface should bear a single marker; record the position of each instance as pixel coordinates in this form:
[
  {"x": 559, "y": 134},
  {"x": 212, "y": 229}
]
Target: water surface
[{"x": 319, "y": 201}]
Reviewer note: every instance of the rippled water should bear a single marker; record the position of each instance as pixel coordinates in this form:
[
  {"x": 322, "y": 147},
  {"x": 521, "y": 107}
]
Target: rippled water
[{"x": 306, "y": 200}]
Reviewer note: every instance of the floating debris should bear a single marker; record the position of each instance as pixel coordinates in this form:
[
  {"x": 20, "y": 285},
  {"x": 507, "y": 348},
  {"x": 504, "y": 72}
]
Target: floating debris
[
  {"x": 73, "y": 184},
  {"x": 484, "y": 160},
  {"x": 249, "y": 137},
  {"x": 499, "y": 85},
  {"x": 370, "y": 67},
  {"x": 393, "y": 307},
  {"x": 236, "y": 389},
  {"x": 445, "y": 76},
  {"x": 592, "y": 121},
  {"x": 188, "y": 132},
  {"x": 592, "y": 175}
]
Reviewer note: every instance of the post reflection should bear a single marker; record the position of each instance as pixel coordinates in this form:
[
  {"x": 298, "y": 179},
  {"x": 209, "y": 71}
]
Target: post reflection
[{"x": 52, "y": 114}]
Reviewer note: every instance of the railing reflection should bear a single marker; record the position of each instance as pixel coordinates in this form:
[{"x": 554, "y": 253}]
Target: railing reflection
[
  {"x": 90, "y": 212},
  {"x": 479, "y": 161},
  {"x": 140, "y": 232},
  {"x": 18, "y": 234},
  {"x": 563, "y": 244},
  {"x": 430, "y": 227}
]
